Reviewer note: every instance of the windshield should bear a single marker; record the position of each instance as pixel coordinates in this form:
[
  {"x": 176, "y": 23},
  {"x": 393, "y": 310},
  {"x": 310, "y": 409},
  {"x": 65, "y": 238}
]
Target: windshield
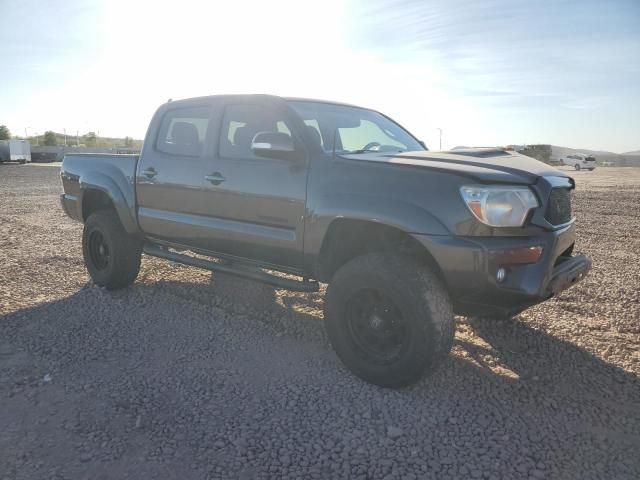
[{"x": 353, "y": 129}]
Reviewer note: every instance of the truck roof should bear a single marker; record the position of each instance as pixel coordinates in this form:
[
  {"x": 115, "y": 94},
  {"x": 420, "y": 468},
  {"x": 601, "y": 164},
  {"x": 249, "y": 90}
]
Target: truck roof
[
  {"x": 329, "y": 102},
  {"x": 247, "y": 96}
]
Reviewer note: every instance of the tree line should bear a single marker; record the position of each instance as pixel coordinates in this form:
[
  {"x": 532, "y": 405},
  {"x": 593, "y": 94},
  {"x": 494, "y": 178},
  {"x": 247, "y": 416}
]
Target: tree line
[{"x": 89, "y": 139}]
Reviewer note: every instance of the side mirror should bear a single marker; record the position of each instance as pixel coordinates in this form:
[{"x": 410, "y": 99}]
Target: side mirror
[{"x": 273, "y": 145}]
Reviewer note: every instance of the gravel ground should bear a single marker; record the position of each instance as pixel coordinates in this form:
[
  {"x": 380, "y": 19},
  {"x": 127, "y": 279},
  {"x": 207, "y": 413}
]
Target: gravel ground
[{"x": 193, "y": 375}]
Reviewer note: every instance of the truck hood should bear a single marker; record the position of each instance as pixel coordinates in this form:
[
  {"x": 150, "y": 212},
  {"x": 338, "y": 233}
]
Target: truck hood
[{"x": 484, "y": 165}]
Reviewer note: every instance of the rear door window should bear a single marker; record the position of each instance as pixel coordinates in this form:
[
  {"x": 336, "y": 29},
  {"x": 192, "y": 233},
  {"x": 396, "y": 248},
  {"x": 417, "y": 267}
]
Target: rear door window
[{"x": 183, "y": 131}]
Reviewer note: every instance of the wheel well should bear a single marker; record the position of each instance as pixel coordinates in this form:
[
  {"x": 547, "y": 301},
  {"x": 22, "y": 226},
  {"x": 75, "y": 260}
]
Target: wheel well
[
  {"x": 94, "y": 200},
  {"x": 347, "y": 239}
]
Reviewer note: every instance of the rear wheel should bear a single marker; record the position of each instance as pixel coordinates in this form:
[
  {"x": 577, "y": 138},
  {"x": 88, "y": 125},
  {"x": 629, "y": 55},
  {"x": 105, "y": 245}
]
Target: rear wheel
[
  {"x": 577, "y": 166},
  {"x": 388, "y": 318},
  {"x": 112, "y": 256}
]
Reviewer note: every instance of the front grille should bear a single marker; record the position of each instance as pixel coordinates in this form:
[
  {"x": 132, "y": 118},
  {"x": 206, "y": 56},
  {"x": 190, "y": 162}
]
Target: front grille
[{"x": 559, "y": 206}]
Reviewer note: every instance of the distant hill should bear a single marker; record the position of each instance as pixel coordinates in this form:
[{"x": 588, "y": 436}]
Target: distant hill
[{"x": 628, "y": 159}]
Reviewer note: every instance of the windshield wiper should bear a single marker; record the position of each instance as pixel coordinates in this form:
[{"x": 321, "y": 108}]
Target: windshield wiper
[
  {"x": 355, "y": 152},
  {"x": 361, "y": 151}
]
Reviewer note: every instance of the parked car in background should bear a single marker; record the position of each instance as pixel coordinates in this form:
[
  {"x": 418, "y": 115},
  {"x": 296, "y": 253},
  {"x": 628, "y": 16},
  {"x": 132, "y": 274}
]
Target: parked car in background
[
  {"x": 579, "y": 161},
  {"x": 15, "y": 150}
]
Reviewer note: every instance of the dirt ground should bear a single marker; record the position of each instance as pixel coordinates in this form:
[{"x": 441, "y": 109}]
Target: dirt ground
[{"x": 192, "y": 375}]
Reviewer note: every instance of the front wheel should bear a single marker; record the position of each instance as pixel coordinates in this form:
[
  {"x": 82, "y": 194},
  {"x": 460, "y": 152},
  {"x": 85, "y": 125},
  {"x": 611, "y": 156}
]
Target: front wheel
[
  {"x": 112, "y": 256},
  {"x": 388, "y": 318},
  {"x": 577, "y": 166}
]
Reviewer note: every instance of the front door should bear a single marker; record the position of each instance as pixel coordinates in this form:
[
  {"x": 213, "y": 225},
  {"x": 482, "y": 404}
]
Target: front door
[
  {"x": 170, "y": 176},
  {"x": 256, "y": 205}
]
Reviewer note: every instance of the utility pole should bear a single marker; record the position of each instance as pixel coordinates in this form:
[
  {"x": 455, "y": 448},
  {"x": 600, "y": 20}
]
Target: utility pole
[
  {"x": 26, "y": 135},
  {"x": 77, "y": 141},
  {"x": 65, "y": 136},
  {"x": 440, "y": 138}
]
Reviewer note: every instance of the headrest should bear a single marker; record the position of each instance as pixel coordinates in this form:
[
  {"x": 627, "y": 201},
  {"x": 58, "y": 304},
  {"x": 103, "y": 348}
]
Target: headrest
[
  {"x": 185, "y": 133},
  {"x": 315, "y": 134},
  {"x": 244, "y": 135}
]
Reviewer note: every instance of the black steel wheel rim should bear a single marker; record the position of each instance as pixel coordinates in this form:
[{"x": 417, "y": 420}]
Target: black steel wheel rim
[
  {"x": 99, "y": 250},
  {"x": 376, "y": 326}
]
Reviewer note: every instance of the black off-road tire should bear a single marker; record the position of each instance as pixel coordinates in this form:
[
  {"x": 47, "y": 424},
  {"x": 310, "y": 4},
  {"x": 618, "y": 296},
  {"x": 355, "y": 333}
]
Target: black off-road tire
[
  {"x": 577, "y": 167},
  {"x": 123, "y": 251},
  {"x": 423, "y": 306}
]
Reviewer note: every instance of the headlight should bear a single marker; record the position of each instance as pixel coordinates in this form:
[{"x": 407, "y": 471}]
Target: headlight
[{"x": 498, "y": 206}]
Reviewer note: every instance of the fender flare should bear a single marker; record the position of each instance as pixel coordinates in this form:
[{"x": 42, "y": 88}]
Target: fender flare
[
  {"x": 404, "y": 216},
  {"x": 123, "y": 199}
]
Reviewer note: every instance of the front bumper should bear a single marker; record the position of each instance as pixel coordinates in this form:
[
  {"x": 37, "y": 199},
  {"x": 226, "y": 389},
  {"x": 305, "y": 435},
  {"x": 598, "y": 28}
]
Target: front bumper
[
  {"x": 569, "y": 271},
  {"x": 469, "y": 266}
]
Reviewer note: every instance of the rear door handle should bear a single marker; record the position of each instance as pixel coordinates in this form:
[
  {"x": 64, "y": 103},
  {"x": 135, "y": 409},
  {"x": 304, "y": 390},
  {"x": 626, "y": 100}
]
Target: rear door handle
[
  {"x": 215, "y": 178},
  {"x": 150, "y": 172}
]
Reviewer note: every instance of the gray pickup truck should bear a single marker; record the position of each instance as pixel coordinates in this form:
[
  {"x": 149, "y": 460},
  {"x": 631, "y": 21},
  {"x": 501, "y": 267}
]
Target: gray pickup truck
[{"x": 294, "y": 192}]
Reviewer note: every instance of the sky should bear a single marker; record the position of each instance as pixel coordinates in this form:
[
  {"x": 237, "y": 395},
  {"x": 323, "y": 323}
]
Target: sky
[{"x": 486, "y": 72}]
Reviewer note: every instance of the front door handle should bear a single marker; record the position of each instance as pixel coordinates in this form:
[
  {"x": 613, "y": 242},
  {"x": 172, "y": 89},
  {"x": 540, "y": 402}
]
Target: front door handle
[
  {"x": 150, "y": 172},
  {"x": 215, "y": 178}
]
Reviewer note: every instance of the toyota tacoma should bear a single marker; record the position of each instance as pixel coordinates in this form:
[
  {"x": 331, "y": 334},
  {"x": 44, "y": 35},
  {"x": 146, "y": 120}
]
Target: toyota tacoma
[{"x": 295, "y": 192}]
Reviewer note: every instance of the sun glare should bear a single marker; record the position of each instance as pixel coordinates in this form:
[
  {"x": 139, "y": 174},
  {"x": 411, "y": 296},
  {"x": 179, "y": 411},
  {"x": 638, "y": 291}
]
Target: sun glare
[{"x": 283, "y": 48}]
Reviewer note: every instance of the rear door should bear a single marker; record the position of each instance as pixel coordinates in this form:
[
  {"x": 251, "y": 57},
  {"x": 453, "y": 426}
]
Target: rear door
[
  {"x": 170, "y": 175},
  {"x": 255, "y": 205}
]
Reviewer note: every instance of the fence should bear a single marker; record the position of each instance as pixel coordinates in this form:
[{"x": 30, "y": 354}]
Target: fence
[{"x": 55, "y": 154}]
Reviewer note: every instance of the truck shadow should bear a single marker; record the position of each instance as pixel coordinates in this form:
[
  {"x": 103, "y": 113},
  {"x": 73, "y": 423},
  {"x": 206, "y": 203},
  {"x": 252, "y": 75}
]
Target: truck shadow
[
  {"x": 522, "y": 378},
  {"x": 288, "y": 312},
  {"x": 511, "y": 350}
]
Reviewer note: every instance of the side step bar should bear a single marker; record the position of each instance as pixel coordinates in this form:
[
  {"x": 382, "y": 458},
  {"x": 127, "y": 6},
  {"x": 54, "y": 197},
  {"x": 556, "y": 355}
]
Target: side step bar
[{"x": 231, "y": 269}]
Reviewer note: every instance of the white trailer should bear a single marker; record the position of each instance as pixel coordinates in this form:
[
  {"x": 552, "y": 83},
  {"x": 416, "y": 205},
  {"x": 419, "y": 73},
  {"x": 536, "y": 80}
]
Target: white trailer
[{"x": 15, "y": 151}]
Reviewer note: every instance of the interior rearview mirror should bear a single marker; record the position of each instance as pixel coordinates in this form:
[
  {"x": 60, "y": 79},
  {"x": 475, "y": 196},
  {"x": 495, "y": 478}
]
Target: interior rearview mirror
[{"x": 273, "y": 145}]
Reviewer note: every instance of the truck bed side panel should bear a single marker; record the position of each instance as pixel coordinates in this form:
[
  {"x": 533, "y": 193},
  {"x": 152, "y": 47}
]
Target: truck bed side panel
[{"x": 112, "y": 174}]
